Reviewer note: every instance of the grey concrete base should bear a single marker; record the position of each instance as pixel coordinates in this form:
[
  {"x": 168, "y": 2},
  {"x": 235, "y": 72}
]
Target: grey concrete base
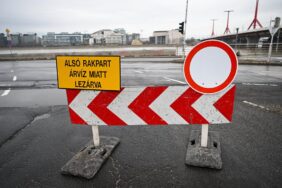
[
  {"x": 204, "y": 157},
  {"x": 87, "y": 162}
]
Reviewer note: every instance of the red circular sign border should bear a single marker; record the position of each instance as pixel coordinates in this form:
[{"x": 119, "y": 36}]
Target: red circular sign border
[{"x": 197, "y": 48}]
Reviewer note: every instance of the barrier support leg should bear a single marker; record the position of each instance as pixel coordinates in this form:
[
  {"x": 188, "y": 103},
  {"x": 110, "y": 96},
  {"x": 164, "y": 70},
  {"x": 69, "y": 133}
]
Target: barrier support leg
[
  {"x": 96, "y": 136},
  {"x": 204, "y": 148},
  {"x": 87, "y": 162},
  {"x": 204, "y": 135}
]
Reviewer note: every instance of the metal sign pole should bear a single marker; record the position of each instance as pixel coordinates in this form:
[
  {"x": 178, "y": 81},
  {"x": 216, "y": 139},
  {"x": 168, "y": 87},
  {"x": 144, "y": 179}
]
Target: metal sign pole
[
  {"x": 236, "y": 42},
  {"x": 96, "y": 137},
  {"x": 204, "y": 148},
  {"x": 272, "y": 31},
  {"x": 185, "y": 25},
  {"x": 270, "y": 49},
  {"x": 277, "y": 41},
  {"x": 204, "y": 135}
]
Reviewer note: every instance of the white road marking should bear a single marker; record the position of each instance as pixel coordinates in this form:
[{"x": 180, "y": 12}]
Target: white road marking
[
  {"x": 170, "y": 79},
  {"x": 6, "y": 92},
  {"x": 259, "y": 84},
  {"x": 139, "y": 72},
  {"x": 255, "y": 105}
]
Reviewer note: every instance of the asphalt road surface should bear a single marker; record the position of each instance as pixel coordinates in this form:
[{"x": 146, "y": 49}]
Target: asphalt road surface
[{"x": 37, "y": 138}]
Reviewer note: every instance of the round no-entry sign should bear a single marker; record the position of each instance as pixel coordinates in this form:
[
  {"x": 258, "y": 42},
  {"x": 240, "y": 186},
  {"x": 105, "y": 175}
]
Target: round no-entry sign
[{"x": 210, "y": 67}]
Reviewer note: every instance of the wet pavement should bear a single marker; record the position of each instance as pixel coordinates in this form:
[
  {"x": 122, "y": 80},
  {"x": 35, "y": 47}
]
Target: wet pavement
[{"x": 37, "y": 138}]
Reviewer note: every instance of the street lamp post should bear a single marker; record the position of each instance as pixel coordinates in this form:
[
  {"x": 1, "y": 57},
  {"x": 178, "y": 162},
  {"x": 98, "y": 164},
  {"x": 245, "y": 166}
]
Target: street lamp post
[
  {"x": 236, "y": 42},
  {"x": 9, "y": 39},
  {"x": 213, "y": 33}
]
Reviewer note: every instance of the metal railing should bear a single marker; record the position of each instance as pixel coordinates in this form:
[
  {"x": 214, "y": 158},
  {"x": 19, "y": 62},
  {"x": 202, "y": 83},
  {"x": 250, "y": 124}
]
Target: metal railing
[
  {"x": 254, "y": 51},
  {"x": 258, "y": 49}
]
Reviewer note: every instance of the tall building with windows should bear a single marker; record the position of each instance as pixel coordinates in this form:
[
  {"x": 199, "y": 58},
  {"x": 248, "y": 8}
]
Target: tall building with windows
[
  {"x": 107, "y": 36},
  {"x": 30, "y": 39},
  {"x": 63, "y": 39},
  {"x": 19, "y": 39},
  {"x": 3, "y": 40},
  {"x": 16, "y": 39}
]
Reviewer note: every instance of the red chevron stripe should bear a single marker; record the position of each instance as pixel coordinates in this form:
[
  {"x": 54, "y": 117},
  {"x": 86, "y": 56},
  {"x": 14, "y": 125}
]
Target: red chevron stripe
[
  {"x": 225, "y": 104},
  {"x": 183, "y": 107},
  {"x": 75, "y": 119},
  {"x": 140, "y": 105},
  {"x": 99, "y": 107},
  {"x": 71, "y": 94}
]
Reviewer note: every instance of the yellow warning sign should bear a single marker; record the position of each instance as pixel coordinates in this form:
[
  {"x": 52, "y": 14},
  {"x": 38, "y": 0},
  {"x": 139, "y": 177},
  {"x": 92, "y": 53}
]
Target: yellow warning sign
[{"x": 88, "y": 72}]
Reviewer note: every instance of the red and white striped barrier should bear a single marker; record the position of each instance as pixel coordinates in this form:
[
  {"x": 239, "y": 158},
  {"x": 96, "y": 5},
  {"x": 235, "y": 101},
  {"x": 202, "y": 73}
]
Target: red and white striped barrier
[{"x": 160, "y": 105}]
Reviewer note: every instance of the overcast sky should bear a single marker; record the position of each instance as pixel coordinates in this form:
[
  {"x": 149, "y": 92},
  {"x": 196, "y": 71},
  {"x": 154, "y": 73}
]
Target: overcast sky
[{"x": 142, "y": 16}]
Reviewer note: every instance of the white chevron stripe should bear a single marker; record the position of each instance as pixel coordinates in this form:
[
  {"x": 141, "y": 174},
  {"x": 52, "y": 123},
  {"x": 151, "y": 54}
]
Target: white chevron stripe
[
  {"x": 80, "y": 106},
  {"x": 162, "y": 105},
  {"x": 204, "y": 105},
  {"x": 120, "y": 106}
]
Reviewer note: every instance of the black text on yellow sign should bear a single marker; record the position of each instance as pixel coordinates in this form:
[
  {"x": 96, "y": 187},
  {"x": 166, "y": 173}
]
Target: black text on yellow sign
[{"x": 88, "y": 72}]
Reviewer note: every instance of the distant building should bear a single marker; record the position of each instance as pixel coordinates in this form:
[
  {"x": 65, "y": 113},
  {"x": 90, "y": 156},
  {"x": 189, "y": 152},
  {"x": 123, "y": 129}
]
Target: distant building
[
  {"x": 131, "y": 37},
  {"x": 166, "y": 37},
  {"x": 30, "y": 39},
  {"x": 16, "y": 39},
  {"x": 98, "y": 37},
  {"x": 49, "y": 39},
  {"x": 3, "y": 40},
  {"x": 20, "y": 40},
  {"x": 161, "y": 37},
  {"x": 120, "y": 30},
  {"x": 152, "y": 40},
  {"x": 86, "y": 38},
  {"x": 107, "y": 36},
  {"x": 115, "y": 38},
  {"x": 175, "y": 37},
  {"x": 63, "y": 39}
]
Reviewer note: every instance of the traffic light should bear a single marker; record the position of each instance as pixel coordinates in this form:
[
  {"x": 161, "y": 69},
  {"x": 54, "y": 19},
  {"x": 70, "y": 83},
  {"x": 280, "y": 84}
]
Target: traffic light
[
  {"x": 181, "y": 27},
  {"x": 277, "y": 22}
]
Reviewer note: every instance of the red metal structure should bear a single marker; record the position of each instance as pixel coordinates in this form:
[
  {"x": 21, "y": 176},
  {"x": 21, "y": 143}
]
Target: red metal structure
[
  {"x": 213, "y": 20},
  {"x": 255, "y": 20},
  {"x": 227, "y": 30}
]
